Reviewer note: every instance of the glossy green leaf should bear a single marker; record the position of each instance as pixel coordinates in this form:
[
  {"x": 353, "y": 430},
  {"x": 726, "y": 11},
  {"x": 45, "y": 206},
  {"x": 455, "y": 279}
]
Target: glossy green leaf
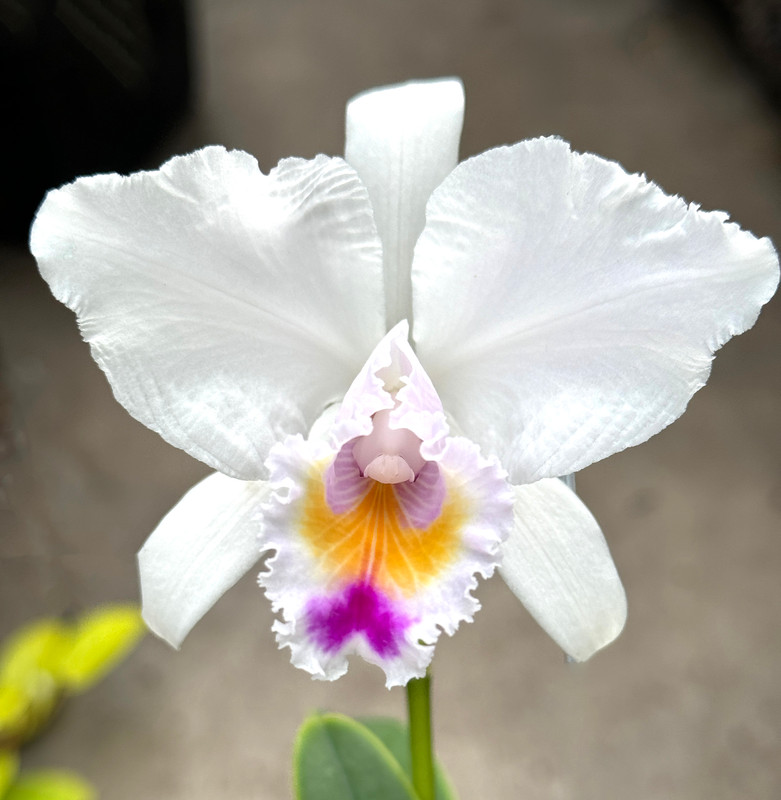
[
  {"x": 99, "y": 640},
  {"x": 393, "y": 734},
  {"x": 338, "y": 758},
  {"x": 9, "y": 766},
  {"x": 50, "y": 784}
]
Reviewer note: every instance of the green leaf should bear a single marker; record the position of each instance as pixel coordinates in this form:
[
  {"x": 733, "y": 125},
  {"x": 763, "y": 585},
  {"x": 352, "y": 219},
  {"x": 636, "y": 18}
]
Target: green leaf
[
  {"x": 9, "y": 766},
  {"x": 50, "y": 784},
  {"x": 338, "y": 758},
  {"x": 394, "y": 735},
  {"x": 99, "y": 640}
]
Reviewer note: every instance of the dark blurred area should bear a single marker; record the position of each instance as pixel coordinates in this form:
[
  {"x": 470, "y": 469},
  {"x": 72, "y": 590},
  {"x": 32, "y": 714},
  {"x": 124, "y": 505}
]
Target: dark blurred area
[
  {"x": 94, "y": 85},
  {"x": 756, "y": 28},
  {"x": 87, "y": 86}
]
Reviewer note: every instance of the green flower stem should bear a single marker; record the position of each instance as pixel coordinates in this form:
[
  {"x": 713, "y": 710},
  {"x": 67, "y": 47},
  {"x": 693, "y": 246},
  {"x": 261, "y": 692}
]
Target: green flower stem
[{"x": 419, "y": 707}]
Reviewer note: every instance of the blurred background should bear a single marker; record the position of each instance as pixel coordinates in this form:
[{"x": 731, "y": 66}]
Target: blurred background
[{"x": 687, "y": 702}]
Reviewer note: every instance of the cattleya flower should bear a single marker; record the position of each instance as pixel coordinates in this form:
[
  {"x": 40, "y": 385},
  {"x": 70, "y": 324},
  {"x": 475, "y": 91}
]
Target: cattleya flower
[{"x": 389, "y": 359}]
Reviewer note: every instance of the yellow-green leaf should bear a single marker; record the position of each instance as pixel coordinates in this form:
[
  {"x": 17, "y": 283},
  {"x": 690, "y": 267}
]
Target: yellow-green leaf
[
  {"x": 50, "y": 784},
  {"x": 14, "y": 707},
  {"x": 36, "y": 647},
  {"x": 100, "y": 639},
  {"x": 29, "y": 692},
  {"x": 9, "y": 766}
]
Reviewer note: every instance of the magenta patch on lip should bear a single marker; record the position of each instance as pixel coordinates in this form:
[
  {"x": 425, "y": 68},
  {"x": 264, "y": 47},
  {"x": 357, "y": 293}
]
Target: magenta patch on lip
[{"x": 358, "y": 609}]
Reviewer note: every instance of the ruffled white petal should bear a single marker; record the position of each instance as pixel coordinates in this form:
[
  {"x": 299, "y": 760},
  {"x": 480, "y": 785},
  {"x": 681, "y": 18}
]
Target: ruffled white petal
[
  {"x": 198, "y": 551},
  {"x": 403, "y": 140},
  {"x": 557, "y": 563},
  {"x": 566, "y": 310},
  {"x": 227, "y": 307}
]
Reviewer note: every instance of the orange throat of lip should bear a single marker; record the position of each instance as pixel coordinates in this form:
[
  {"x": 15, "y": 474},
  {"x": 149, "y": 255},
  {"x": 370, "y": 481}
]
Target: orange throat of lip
[{"x": 374, "y": 542}]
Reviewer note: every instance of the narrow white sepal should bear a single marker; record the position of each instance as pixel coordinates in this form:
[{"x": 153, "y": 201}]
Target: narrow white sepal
[
  {"x": 198, "y": 551},
  {"x": 557, "y": 563},
  {"x": 402, "y": 141}
]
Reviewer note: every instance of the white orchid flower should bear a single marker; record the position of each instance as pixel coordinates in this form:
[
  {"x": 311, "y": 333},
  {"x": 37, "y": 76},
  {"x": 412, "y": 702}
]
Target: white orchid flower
[{"x": 389, "y": 359}]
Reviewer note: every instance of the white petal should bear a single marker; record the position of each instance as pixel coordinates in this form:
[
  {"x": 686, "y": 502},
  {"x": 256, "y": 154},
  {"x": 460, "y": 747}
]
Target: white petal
[
  {"x": 227, "y": 307},
  {"x": 198, "y": 551},
  {"x": 566, "y": 310},
  {"x": 403, "y": 140},
  {"x": 557, "y": 563}
]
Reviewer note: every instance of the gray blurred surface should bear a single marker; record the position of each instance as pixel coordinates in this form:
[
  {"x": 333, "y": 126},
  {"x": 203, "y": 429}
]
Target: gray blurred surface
[{"x": 687, "y": 703}]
